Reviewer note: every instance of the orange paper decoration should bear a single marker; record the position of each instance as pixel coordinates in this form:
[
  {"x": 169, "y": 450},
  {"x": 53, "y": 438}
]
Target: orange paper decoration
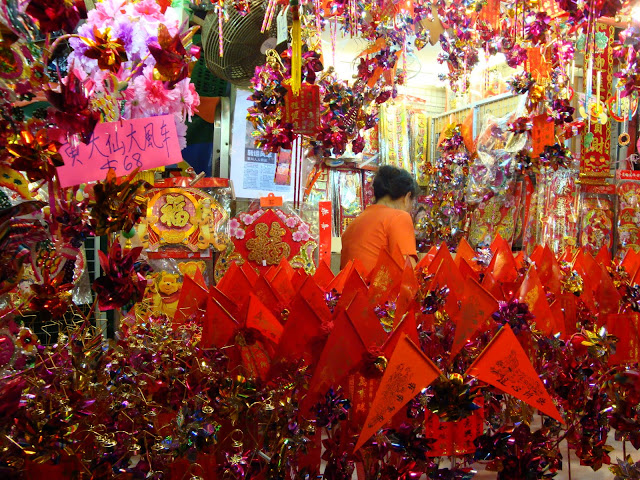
[
  {"x": 532, "y": 293},
  {"x": 477, "y": 307},
  {"x": 505, "y": 365},
  {"x": 542, "y": 135},
  {"x": 408, "y": 372}
]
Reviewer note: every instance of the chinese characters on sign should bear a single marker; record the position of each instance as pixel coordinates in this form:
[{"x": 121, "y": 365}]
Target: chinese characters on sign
[
  {"x": 303, "y": 110},
  {"x": 408, "y": 372},
  {"x": 173, "y": 212},
  {"x": 324, "y": 227},
  {"x": 505, "y": 365},
  {"x": 141, "y": 143}
]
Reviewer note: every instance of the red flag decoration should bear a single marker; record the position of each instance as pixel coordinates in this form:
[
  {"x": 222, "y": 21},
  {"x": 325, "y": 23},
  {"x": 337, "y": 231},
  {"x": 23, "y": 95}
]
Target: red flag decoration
[
  {"x": 603, "y": 258},
  {"x": 467, "y": 270},
  {"x": 249, "y": 272},
  {"x": 283, "y": 287},
  {"x": 199, "y": 278},
  {"x": 193, "y": 299},
  {"x": 607, "y": 294},
  {"x": 564, "y": 310},
  {"x": 300, "y": 331},
  {"x": 406, "y": 328},
  {"x": 502, "y": 266},
  {"x": 339, "y": 280},
  {"x": 536, "y": 255},
  {"x": 234, "y": 284},
  {"x": 315, "y": 298},
  {"x": 532, "y": 293},
  {"x": 260, "y": 318},
  {"x": 342, "y": 352},
  {"x": 219, "y": 326},
  {"x": 324, "y": 276},
  {"x": 352, "y": 286},
  {"x": 407, "y": 373},
  {"x": 587, "y": 293},
  {"x": 631, "y": 262},
  {"x": 447, "y": 274},
  {"x": 265, "y": 292},
  {"x": 384, "y": 277},
  {"x": 492, "y": 286},
  {"x": 408, "y": 289},
  {"x": 365, "y": 321},
  {"x": 226, "y": 303},
  {"x": 427, "y": 259},
  {"x": 505, "y": 365},
  {"x": 625, "y": 326},
  {"x": 477, "y": 307},
  {"x": 549, "y": 270}
]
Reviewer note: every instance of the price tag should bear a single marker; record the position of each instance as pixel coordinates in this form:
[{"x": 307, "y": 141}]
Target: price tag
[
  {"x": 282, "y": 31},
  {"x": 270, "y": 201},
  {"x": 125, "y": 145}
]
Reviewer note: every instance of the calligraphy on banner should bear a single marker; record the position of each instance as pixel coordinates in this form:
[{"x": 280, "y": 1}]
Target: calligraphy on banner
[
  {"x": 303, "y": 110},
  {"x": 596, "y": 158},
  {"x": 324, "y": 228},
  {"x": 141, "y": 143},
  {"x": 454, "y": 438},
  {"x": 505, "y": 365},
  {"x": 408, "y": 372},
  {"x": 542, "y": 134}
]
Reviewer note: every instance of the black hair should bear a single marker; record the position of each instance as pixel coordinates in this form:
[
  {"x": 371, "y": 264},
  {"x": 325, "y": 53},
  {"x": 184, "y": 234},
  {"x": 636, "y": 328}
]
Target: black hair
[{"x": 394, "y": 182}]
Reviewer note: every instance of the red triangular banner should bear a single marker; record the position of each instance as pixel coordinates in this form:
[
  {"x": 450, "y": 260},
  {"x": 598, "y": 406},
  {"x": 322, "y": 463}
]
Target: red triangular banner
[
  {"x": 407, "y": 373},
  {"x": 324, "y": 276},
  {"x": 505, "y": 365},
  {"x": 532, "y": 293},
  {"x": 260, "y": 318},
  {"x": 475, "y": 313},
  {"x": 193, "y": 299}
]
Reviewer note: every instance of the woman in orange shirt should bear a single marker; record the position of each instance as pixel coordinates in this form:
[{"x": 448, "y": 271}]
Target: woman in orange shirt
[{"x": 386, "y": 224}]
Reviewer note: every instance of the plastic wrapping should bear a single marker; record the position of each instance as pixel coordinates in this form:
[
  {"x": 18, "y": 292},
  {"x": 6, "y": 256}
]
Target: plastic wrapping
[
  {"x": 558, "y": 208},
  {"x": 628, "y": 218},
  {"x": 493, "y": 170},
  {"x": 597, "y": 210},
  {"x": 404, "y": 133},
  {"x": 496, "y": 215},
  {"x": 348, "y": 200},
  {"x": 186, "y": 216},
  {"x": 165, "y": 281},
  {"x": 263, "y": 236}
]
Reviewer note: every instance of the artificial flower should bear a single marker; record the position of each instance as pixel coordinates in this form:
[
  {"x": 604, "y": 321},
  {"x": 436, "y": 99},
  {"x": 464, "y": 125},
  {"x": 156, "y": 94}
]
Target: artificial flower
[
  {"x": 110, "y": 53},
  {"x": 120, "y": 283},
  {"x": 54, "y": 15}
]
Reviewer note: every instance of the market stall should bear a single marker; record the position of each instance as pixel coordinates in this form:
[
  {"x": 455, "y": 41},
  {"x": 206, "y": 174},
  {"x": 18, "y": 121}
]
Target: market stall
[{"x": 176, "y": 179}]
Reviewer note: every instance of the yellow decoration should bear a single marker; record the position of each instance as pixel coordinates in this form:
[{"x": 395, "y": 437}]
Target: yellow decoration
[
  {"x": 268, "y": 248},
  {"x": 296, "y": 49},
  {"x": 173, "y": 212}
]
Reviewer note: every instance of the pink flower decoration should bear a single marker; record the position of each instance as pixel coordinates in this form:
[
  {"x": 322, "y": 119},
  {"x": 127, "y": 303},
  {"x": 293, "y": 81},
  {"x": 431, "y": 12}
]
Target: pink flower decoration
[
  {"x": 152, "y": 95},
  {"x": 239, "y": 234},
  {"x": 291, "y": 222},
  {"x": 189, "y": 99},
  {"x": 233, "y": 224},
  {"x": 149, "y": 9},
  {"x": 297, "y": 236}
]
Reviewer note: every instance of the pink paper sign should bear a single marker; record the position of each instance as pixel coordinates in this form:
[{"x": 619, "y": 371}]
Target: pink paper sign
[{"x": 125, "y": 145}]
